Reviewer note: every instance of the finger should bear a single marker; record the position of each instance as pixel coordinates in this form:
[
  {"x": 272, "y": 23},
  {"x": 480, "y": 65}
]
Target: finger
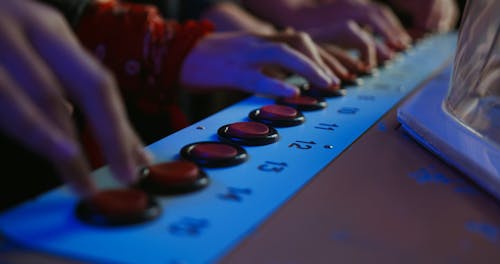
[
  {"x": 32, "y": 74},
  {"x": 276, "y": 73},
  {"x": 284, "y": 56},
  {"x": 443, "y": 16},
  {"x": 403, "y": 38},
  {"x": 451, "y": 16},
  {"x": 362, "y": 41},
  {"x": 302, "y": 42},
  {"x": 417, "y": 33},
  {"x": 29, "y": 126},
  {"x": 256, "y": 82},
  {"x": 384, "y": 53},
  {"x": 384, "y": 23},
  {"x": 353, "y": 65},
  {"x": 45, "y": 95},
  {"x": 434, "y": 16},
  {"x": 335, "y": 65},
  {"x": 350, "y": 35},
  {"x": 94, "y": 89}
]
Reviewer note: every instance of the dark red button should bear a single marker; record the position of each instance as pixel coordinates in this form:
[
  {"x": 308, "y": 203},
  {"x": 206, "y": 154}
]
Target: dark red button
[
  {"x": 277, "y": 116},
  {"x": 278, "y": 112},
  {"x": 174, "y": 172},
  {"x": 119, "y": 202},
  {"x": 214, "y": 154},
  {"x": 247, "y": 129},
  {"x": 303, "y": 102},
  {"x": 173, "y": 177},
  {"x": 248, "y": 133},
  {"x": 213, "y": 151},
  {"x": 118, "y": 207}
]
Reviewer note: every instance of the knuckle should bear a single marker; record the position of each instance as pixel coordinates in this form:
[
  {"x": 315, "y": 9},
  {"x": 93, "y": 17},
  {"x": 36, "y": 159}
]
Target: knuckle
[
  {"x": 352, "y": 25},
  {"x": 304, "y": 37}
]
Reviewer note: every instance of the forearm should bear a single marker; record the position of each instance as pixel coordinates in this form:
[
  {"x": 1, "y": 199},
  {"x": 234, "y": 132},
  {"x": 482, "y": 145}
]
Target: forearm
[{"x": 144, "y": 51}]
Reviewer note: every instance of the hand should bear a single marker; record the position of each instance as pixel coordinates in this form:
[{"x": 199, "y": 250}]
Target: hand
[
  {"x": 429, "y": 15},
  {"x": 335, "y": 62},
  {"x": 236, "y": 60},
  {"x": 346, "y": 23},
  {"x": 228, "y": 17},
  {"x": 350, "y": 35},
  {"x": 376, "y": 17},
  {"x": 42, "y": 66}
]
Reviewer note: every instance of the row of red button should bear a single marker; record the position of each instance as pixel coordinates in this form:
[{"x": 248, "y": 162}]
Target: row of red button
[
  {"x": 258, "y": 132},
  {"x": 135, "y": 205}
]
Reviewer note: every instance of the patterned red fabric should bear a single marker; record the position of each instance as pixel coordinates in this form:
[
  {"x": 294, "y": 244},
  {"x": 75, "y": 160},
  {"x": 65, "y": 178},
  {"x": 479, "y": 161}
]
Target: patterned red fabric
[{"x": 144, "y": 51}]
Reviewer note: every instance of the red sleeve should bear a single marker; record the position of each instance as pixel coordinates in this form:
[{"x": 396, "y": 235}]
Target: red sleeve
[{"x": 145, "y": 53}]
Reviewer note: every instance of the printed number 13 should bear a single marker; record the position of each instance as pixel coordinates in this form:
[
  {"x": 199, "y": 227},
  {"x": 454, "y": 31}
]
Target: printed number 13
[{"x": 271, "y": 166}]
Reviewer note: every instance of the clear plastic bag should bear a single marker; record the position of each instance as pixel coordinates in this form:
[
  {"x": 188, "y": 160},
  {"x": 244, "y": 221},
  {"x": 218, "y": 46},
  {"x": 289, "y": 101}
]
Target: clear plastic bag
[{"x": 474, "y": 94}]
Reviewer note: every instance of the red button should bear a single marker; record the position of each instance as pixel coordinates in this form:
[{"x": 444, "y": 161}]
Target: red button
[
  {"x": 176, "y": 172},
  {"x": 278, "y": 112},
  {"x": 173, "y": 177},
  {"x": 278, "y": 115},
  {"x": 303, "y": 102},
  {"x": 118, "y": 203},
  {"x": 214, "y": 154},
  {"x": 213, "y": 151},
  {"x": 247, "y": 129}
]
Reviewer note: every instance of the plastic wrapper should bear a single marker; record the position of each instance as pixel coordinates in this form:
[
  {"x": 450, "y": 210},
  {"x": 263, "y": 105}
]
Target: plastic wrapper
[{"x": 474, "y": 94}]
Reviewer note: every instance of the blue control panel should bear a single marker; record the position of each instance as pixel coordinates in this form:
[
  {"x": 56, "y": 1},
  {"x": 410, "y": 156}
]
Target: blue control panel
[{"x": 201, "y": 227}]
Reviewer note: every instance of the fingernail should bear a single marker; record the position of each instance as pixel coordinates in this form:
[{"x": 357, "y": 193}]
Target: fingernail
[
  {"x": 291, "y": 91},
  {"x": 407, "y": 39},
  {"x": 335, "y": 80},
  {"x": 387, "y": 55},
  {"x": 130, "y": 174},
  {"x": 351, "y": 77},
  {"x": 327, "y": 79},
  {"x": 360, "y": 67},
  {"x": 396, "y": 45},
  {"x": 334, "y": 87},
  {"x": 365, "y": 68},
  {"x": 85, "y": 190},
  {"x": 146, "y": 156}
]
